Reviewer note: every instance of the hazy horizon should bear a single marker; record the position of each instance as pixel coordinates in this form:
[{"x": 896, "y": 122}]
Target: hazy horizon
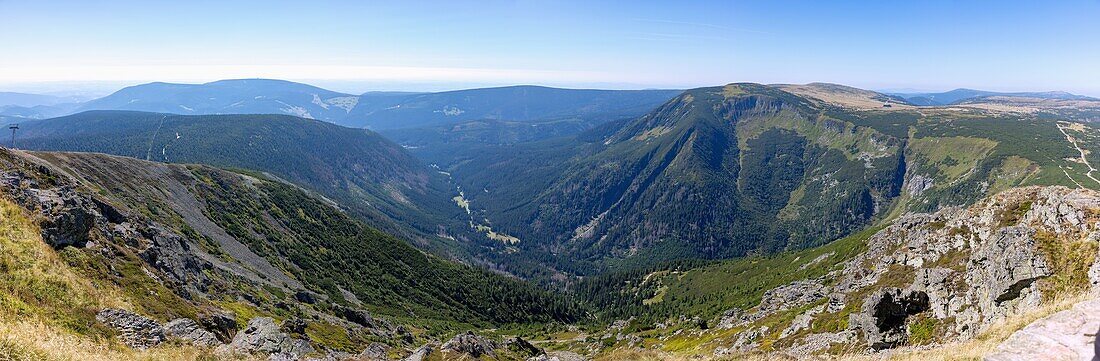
[{"x": 435, "y": 46}]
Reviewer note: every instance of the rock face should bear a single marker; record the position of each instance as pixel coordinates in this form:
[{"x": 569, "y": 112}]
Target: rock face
[
  {"x": 134, "y": 330},
  {"x": 262, "y": 335},
  {"x": 67, "y": 216},
  {"x": 1066, "y": 335},
  {"x": 959, "y": 270},
  {"x": 222, "y": 324},
  {"x": 884, "y": 314},
  {"x": 188, "y": 329},
  {"x": 471, "y": 344}
]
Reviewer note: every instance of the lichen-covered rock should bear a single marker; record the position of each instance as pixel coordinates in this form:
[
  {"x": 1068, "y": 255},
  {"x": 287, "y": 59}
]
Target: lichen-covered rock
[
  {"x": 792, "y": 295},
  {"x": 188, "y": 329},
  {"x": 264, "y": 336},
  {"x": 1003, "y": 269},
  {"x": 134, "y": 330},
  {"x": 471, "y": 344}
]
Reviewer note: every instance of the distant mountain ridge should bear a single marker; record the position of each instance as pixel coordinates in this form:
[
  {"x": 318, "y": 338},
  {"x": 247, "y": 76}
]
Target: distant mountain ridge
[
  {"x": 957, "y": 95},
  {"x": 515, "y": 103},
  {"x": 238, "y": 96},
  {"x": 374, "y": 109}
]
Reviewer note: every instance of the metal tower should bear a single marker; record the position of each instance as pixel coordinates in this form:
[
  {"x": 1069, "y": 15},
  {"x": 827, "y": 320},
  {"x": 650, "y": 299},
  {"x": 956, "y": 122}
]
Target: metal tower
[{"x": 13, "y": 128}]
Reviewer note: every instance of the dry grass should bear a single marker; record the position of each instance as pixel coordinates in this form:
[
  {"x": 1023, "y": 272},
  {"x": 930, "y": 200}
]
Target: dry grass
[
  {"x": 47, "y": 310},
  {"x": 32, "y": 340},
  {"x": 974, "y": 349}
]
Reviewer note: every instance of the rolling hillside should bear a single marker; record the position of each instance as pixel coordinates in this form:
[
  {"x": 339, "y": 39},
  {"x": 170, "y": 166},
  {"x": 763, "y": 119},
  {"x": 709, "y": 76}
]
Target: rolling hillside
[
  {"x": 91, "y": 236},
  {"x": 366, "y": 174}
]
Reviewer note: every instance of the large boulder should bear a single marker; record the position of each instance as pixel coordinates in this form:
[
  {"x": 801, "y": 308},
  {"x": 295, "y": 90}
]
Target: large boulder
[
  {"x": 421, "y": 353},
  {"x": 188, "y": 329},
  {"x": 134, "y": 330},
  {"x": 263, "y": 335},
  {"x": 521, "y": 347},
  {"x": 471, "y": 344},
  {"x": 67, "y": 217},
  {"x": 374, "y": 352},
  {"x": 221, "y": 323}
]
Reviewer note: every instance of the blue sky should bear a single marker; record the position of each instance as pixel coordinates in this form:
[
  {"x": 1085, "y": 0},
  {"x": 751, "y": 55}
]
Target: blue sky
[{"x": 435, "y": 45}]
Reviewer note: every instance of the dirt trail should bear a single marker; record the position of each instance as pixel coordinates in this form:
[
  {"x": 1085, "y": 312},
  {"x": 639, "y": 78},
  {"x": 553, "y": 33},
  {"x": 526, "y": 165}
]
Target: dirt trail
[{"x": 1085, "y": 160}]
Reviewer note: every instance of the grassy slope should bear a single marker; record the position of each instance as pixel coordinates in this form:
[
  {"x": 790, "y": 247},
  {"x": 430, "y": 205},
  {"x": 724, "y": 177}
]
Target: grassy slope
[{"x": 47, "y": 309}]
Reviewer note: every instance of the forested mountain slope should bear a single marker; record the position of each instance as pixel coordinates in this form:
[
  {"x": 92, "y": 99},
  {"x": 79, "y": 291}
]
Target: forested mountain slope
[
  {"x": 746, "y": 168},
  {"x": 171, "y": 242},
  {"x": 366, "y": 174},
  {"x": 514, "y": 103}
]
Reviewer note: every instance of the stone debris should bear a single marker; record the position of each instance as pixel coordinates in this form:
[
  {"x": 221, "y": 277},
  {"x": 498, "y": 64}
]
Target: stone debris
[{"x": 134, "y": 330}]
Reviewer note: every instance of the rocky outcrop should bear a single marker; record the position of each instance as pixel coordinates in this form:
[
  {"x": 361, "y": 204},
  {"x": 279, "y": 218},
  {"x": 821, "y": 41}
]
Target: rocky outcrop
[
  {"x": 558, "y": 356},
  {"x": 134, "y": 330},
  {"x": 521, "y": 347},
  {"x": 421, "y": 353},
  {"x": 471, "y": 344},
  {"x": 374, "y": 352},
  {"x": 1066, "y": 335},
  {"x": 189, "y": 330},
  {"x": 883, "y": 316},
  {"x": 66, "y": 217},
  {"x": 262, "y": 335},
  {"x": 220, "y": 323},
  {"x": 959, "y": 270}
]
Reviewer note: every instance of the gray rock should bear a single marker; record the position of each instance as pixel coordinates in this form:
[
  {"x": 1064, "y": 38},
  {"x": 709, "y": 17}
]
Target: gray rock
[
  {"x": 802, "y": 321},
  {"x": 521, "y": 347},
  {"x": 188, "y": 329},
  {"x": 374, "y": 352},
  {"x": 1002, "y": 272},
  {"x": 221, "y": 323},
  {"x": 67, "y": 217},
  {"x": 792, "y": 295},
  {"x": 882, "y": 318},
  {"x": 134, "y": 330},
  {"x": 815, "y": 342},
  {"x": 471, "y": 344},
  {"x": 420, "y": 354},
  {"x": 262, "y": 335},
  {"x": 918, "y": 183},
  {"x": 1066, "y": 335},
  {"x": 730, "y": 318},
  {"x": 937, "y": 284},
  {"x": 558, "y": 356}
]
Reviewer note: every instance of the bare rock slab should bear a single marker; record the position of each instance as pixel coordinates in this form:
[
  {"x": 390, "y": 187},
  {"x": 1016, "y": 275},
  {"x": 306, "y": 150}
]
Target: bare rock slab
[{"x": 1066, "y": 335}]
